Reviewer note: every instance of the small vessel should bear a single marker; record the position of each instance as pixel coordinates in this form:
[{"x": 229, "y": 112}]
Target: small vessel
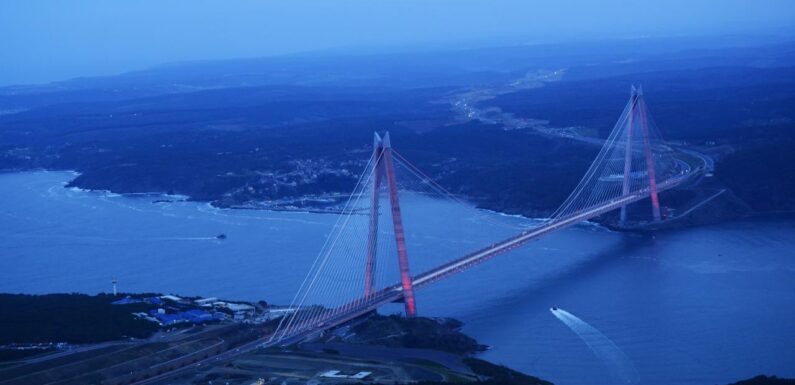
[
  {"x": 553, "y": 308},
  {"x": 220, "y": 236}
]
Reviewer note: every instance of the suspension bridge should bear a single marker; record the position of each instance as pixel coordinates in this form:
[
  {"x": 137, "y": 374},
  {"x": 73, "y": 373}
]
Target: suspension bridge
[{"x": 353, "y": 274}]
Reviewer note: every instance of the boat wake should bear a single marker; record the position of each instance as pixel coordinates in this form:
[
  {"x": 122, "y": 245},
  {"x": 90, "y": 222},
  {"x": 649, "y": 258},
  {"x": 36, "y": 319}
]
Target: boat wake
[{"x": 619, "y": 364}]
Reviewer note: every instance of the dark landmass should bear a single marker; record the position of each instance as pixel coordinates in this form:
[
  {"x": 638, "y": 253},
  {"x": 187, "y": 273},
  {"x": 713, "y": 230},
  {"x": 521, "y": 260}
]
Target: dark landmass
[
  {"x": 498, "y": 374},
  {"x": 69, "y": 318},
  {"x": 439, "y": 334},
  {"x": 762, "y": 174},
  {"x": 34, "y": 325},
  {"x": 418, "y": 333},
  {"x": 18, "y": 354},
  {"x": 127, "y": 363},
  {"x": 723, "y": 104},
  {"x": 741, "y": 115},
  {"x": 393, "y": 349},
  {"x": 443, "y": 334},
  {"x": 765, "y": 380},
  {"x": 491, "y": 374},
  {"x": 266, "y": 133},
  {"x": 124, "y": 362}
]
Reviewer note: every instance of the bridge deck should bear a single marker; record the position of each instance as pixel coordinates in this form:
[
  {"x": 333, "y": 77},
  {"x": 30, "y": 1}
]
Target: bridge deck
[{"x": 337, "y": 316}]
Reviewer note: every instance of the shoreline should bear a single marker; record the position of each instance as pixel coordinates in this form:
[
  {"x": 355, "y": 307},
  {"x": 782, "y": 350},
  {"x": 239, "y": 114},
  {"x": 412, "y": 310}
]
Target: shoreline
[
  {"x": 187, "y": 198},
  {"x": 172, "y": 198}
]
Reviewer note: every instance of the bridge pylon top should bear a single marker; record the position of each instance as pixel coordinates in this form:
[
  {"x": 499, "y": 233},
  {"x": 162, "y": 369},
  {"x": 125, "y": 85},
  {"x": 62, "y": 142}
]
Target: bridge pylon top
[
  {"x": 385, "y": 140},
  {"x": 376, "y": 140},
  {"x": 381, "y": 140}
]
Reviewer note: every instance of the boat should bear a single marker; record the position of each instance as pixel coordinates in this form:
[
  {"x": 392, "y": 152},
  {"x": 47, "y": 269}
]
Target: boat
[{"x": 220, "y": 236}]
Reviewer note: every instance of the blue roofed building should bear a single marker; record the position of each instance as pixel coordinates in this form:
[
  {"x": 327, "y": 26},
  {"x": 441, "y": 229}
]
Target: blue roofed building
[
  {"x": 190, "y": 316},
  {"x": 196, "y": 316}
]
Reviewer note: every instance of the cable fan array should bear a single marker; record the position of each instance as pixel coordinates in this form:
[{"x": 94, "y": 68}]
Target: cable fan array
[
  {"x": 360, "y": 259},
  {"x": 379, "y": 248},
  {"x": 633, "y": 159}
]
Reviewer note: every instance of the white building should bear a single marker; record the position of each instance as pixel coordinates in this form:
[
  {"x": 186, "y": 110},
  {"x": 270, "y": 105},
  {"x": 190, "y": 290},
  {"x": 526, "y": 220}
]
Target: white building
[{"x": 205, "y": 301}]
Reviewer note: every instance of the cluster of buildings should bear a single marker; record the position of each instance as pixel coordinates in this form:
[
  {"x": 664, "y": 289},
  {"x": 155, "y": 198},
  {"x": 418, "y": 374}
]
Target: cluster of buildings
[
  {"x": 240, "y": 311},
  {"x": 172, "y": 310},
  {"x": 129, "y": 300},
  {"x": 194, "y": 316}
]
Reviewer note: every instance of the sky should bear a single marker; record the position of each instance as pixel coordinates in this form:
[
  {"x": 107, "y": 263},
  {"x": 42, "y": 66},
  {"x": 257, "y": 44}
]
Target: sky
[{"x": 48, "y": 40}]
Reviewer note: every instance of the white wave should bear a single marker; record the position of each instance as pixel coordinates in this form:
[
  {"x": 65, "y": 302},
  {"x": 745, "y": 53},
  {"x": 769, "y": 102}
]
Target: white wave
[
  {"x": 619, "y": 364},
  {"x": 233, "y": 213}
]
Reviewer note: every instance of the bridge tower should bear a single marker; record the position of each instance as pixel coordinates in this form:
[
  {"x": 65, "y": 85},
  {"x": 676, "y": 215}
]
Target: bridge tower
[
  {"x": 637, "y": 116},
  {"x": 372, "y": 234},
  {"x": 383, "y": 165}
]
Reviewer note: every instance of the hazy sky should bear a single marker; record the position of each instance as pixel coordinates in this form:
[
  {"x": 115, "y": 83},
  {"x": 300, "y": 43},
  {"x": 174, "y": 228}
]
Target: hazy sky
[{"x": 51, "y": 40}]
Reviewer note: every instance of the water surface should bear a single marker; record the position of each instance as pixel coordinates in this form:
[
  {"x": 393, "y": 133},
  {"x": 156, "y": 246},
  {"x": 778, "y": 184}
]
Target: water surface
[{"x": 707, "y": 305}]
